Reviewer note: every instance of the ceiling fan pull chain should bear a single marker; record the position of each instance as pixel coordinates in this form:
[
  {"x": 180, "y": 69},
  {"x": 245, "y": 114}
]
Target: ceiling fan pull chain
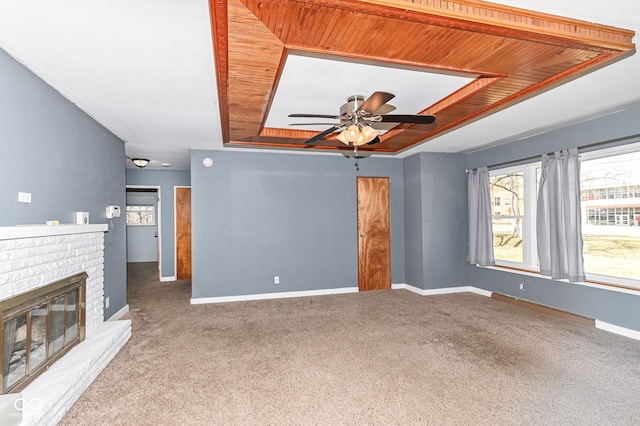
[{"x": 355, "y": 155}]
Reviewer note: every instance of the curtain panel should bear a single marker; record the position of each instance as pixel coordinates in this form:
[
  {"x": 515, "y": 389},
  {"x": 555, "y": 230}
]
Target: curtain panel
[
  {"x": 559, "y": 222},
  {"x": 480, "y": 229}
]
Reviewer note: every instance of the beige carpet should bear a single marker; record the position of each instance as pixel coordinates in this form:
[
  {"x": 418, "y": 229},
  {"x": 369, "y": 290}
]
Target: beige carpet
[{"x": 383, "y": 358}]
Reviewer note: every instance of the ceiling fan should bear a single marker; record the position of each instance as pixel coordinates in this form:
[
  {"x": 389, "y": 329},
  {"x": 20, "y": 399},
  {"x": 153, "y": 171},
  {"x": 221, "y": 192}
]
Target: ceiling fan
[{"x": 358, "y": 119}]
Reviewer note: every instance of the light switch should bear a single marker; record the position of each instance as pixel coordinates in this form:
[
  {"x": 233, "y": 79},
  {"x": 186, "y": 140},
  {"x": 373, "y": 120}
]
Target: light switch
[{"x": 24, "y": 197}]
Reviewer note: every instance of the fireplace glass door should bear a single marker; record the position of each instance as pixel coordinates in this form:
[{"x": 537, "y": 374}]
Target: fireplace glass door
[{"x": 39, "y": 331}]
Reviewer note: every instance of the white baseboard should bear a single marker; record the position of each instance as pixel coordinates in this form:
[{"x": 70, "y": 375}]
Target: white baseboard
[
  {"x": 480, "y": 291},
  {"x": 122, "y": 312},
  {"x": 616, "y": 329},
  {"x": 288, "y": 294},
  {"x": 280, "y": 295},
  {"x": 446, "y": 290},
  {"x": 162, "y": 279}
]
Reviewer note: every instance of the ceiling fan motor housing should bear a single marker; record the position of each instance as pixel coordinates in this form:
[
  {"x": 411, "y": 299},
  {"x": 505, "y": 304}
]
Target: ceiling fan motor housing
[{"x": 352, "y": 105}]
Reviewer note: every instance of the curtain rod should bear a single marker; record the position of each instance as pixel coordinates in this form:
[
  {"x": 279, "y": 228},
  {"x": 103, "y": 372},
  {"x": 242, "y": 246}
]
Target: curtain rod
[{"x": 582, "y": 147}]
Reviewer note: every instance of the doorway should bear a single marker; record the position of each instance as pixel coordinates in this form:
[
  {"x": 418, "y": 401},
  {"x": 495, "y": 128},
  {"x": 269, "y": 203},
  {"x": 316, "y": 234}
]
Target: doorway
[
  {"x": 143, "y": 221},
  {"x": 374, "y": 233}
]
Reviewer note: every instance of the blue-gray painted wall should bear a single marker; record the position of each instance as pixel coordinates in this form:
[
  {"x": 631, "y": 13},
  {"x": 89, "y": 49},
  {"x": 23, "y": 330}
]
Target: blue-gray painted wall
[
  {"x": 66, "y": 160},
  {"x": 413, "y": 221},
  {"x": 258, "y": 215},
  {"x": 436, "y": 220},
  {"x": 617, "y": 308},
  {"x": 166, "y": 180},
  {"x": 444, "y": 220}
]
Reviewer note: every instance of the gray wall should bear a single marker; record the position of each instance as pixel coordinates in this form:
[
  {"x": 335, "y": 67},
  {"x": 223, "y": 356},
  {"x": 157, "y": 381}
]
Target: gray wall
[
  {"x": 167, "y": 180},
  {"x": 606, "y": 305},
  {"x": 259, "y": 215},
  {"x": 436, "y": 220},
  {"x": 413, "y": 221},
  {"x": 612, "y": 130},
  {"x": 66, "y": 160}
]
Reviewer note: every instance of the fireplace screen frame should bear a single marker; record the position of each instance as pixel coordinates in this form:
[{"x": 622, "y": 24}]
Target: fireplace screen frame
[{"x": 24, "y": 305}]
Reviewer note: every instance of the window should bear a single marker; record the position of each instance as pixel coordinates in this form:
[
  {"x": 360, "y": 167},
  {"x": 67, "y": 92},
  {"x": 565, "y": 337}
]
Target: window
[
  {"x": 611, "y": 214},
  {"x": 141, "y": 215},
  {"x": 610, "y": 200},
  {"x": 512, "y": 219}
]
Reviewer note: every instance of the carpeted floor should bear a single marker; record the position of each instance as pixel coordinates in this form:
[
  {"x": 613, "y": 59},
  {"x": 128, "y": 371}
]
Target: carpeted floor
[{"x": 382, "y": 357}]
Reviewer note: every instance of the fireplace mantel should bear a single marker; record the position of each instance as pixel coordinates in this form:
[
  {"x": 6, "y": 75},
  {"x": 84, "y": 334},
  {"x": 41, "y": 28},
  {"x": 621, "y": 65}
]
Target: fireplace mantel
[{"x": 34, "y": 231}]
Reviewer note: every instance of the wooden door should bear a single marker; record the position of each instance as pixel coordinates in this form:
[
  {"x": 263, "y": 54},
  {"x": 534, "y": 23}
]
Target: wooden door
[
  {"x": 183, "y": 233},
  {"x": 374, "y": 234}
]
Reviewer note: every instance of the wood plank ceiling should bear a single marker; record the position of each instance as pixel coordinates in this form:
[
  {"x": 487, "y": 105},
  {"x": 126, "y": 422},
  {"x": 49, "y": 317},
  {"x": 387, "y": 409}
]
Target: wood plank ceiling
[{"x": 516, "y": 53}]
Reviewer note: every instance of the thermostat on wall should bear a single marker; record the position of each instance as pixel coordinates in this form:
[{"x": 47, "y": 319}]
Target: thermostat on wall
[
  {"x": 82, "y": 218},
  {"x": 113, "y": 211}
]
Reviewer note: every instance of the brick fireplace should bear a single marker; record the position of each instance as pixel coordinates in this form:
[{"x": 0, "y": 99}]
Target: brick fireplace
[{"x": 32, "y": 257}]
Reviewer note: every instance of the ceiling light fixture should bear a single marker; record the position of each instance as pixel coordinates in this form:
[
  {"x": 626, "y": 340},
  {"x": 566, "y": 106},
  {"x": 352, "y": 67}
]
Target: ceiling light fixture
[
  {"x": 140, "y": 162},
  {"x": 357, "y": 135}
]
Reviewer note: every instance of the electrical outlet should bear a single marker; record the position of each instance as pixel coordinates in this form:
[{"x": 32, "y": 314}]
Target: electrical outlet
[
  {"x": 276, "y": 279},
  {"x": 522, "y": 285},
  {"x": 106, "y": 303}
]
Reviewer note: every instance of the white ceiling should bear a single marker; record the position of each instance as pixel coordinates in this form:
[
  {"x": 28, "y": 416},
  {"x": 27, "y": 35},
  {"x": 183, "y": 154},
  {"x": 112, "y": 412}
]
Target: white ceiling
[{"x": 144, "y": 69}]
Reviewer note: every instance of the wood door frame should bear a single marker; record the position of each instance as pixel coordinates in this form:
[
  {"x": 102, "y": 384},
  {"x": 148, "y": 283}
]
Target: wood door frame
[
  {"x": 158, "y": 190},
  {"x": 175, "y": 231}
]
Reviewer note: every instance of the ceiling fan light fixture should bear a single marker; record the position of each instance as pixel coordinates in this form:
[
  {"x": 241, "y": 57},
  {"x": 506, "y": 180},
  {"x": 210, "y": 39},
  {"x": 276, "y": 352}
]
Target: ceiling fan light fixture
[
  {"x": 341, "y": 137},
  {"x": 369, "y": 133},
  {"x": 357, "y": 135},
  {"x": 353, "y": 132},
  {"x": 349, "y": 135},
  {"x": 361, "y": 140},
  {"x": 140, "y": 162}
]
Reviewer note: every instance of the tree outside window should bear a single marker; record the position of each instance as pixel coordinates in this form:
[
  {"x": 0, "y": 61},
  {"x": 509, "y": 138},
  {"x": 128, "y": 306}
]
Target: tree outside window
[
  {"x": 141, "y": 215},
  {"x": 508, "y": 217}
]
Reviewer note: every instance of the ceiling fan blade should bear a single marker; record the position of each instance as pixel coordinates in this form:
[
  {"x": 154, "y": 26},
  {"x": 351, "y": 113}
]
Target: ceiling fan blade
[
  {"x": 374, "y": 141},
  {"x": 337, "y": 117},
  {"x": 384, "y": 109},
  {"x": 322, "y": 135},
  {"x": 399, "y": 118},
  {"x": 376, "y": 100},
  {"x": 312, "y": 124}
]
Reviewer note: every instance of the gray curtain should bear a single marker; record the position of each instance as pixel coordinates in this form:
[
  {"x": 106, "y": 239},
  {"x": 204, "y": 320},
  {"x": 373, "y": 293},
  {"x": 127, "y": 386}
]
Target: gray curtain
[
  {"x": 480, "y": 230},
  {"x": 559, "y": 227}
]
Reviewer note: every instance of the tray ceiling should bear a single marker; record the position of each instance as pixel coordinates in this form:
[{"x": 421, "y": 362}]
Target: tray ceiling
[{"x": 275, "y": 57}]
